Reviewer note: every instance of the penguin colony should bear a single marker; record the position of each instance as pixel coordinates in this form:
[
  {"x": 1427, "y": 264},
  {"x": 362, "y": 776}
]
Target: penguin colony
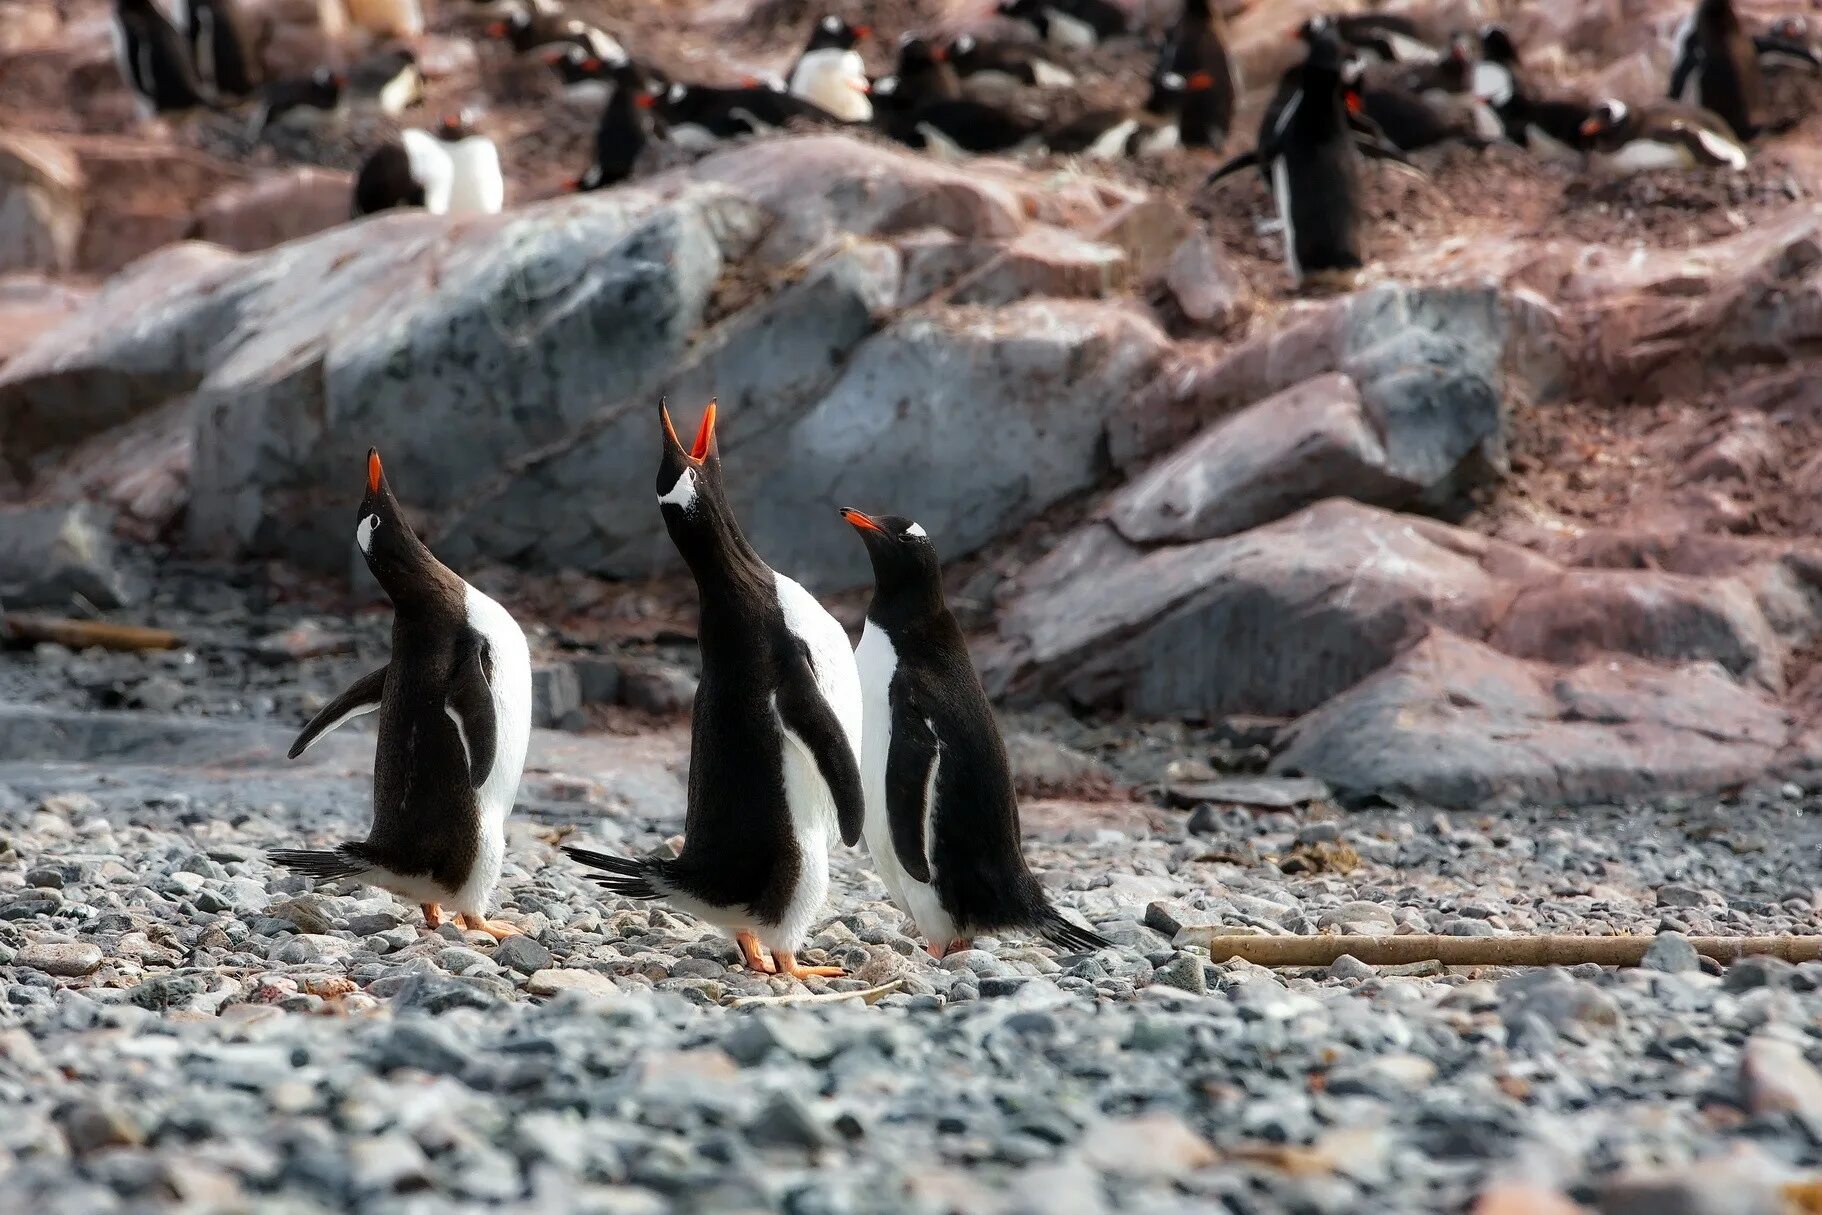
[
  {"x": 1369, "y": 85},
  {"x": 798, "y": 742}
]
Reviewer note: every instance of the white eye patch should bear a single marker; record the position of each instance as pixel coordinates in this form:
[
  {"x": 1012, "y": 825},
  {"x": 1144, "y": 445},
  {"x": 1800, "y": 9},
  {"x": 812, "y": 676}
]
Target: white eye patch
[
  {"x": 363, "y": 534},
  {"x": 916, "y": 529},
  {"x": 683, "y": 493}
]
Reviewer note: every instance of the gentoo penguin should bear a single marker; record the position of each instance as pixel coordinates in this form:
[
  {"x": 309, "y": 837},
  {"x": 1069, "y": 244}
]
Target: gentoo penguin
[
  {"x": 1311, "y": 157},
  {"x": 1197, "y": 48},
  {"x": 830, "y": 74},
  {"x": 1666, "y": 135},
  {"x": 942, "y": 820},
  {"x": 1786, "y": 45},
  {"x": 1114, "y": 134},
  {"x": 1411, "y": 121},
  {"x": 1448, "y": 88},
  {"x": 774, "y": 736},
  {"x": 1716, "y": 67},
  {"x": 954, "y": 128},
  {"x": 529, "y": 29},
  {"x": 318, "y": 93},
  {"x": 699, "y": 112},
  {"x": 455, "y": 717},
  {"x": 391, "y": 77},
  {"x": 1551, "y": 128},
  {"x": 581, "y": 72},
  {"x": 452, "y": 172},
  {"x": 921, "y": 75},
  {"x": 1073, "y": 25},
  {"x": 627, "y": 125},
  {"x": 152, "y": 58},
  {"x": 1005, "y": 64},
  {"x": 219, "y": 52},
  {"x": 1386, "y": 36}
]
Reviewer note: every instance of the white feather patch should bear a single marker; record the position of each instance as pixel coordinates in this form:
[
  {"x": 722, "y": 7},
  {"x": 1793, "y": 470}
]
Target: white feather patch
[
  {"x": 682, "y": 493},
  {"x": 363, "y": 532}
]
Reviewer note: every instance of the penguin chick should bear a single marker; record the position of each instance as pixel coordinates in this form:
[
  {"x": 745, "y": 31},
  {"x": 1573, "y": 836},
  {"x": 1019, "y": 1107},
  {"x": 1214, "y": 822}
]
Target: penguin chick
[
  {"x": 1665, "y": 135},
  {"x": 454, "y": 707},
  {"x": 153, "y": 60},
  {"x": 942, "y": 821},
  {"x": 830, "y": 74},
  {"x": 219, "y": 51},
  {"x": 1072, "y": 25},
  {"x": 1716, "y": 67},
  {"x": 774, "y": 734}
]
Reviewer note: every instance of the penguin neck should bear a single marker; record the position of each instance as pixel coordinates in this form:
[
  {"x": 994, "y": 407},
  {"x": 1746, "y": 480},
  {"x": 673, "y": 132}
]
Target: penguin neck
[
  {"x": 910, "y": 606},
  {"x": 718, "y": 553}
]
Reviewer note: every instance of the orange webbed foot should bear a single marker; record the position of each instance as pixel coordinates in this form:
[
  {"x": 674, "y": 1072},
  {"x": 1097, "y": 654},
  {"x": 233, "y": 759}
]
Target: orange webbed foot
[
  {"x": 754, "y": 953},
  {"x": 499, "y": 930},
  {"x": 789, "y": 966}
]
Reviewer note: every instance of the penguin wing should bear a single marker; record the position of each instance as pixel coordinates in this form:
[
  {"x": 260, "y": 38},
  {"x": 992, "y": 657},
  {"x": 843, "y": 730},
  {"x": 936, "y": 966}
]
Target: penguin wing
[
  {"x": 470, "y": 707},
  {"x": 1687, "y": 62},
  {"x": 363, "y": 696},
  {"x": 1243, "y": 160},
  {"x": 911, "y": 763},
  {"x": 806, "y": 714}
]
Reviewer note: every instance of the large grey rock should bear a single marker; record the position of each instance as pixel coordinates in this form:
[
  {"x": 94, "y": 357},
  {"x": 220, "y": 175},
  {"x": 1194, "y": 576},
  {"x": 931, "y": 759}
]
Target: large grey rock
[
  {"x": 1454, "y": 723},
  {"x": 51, "y": 554}
]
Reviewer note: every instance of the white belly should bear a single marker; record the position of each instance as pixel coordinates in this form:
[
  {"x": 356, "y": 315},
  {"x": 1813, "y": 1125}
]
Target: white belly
[
  {"x": 836, "y": 81},
  {"x": 477, "y": 187},
  {"x": 1281, "y": 191},
  {"x": 1070, "y": 33},
  {"x": 1642, "y": 155},
  {"x": 512, "y": 737},
  {"x": 1111, "y": 145}
]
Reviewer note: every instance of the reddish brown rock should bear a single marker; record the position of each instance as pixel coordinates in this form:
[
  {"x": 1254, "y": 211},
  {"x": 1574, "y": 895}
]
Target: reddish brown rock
[
  {"x": 41, "y": 203},
  {"x": 1046, "y": 261},
  {"x": 275, "y": 209}
]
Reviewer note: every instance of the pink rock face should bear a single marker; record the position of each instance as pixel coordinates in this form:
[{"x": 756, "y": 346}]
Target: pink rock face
[
  {"x": 31, "y": 305},
  {"x": 273, "y": 210}
]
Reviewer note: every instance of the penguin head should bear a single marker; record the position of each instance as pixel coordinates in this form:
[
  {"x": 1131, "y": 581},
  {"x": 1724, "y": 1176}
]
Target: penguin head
[
  {"x": 1496, "y": 46},
  {"x": 1605, "y": 121},
  {"x": 689, "y": 478},
  {"x": 834, "y": 33},
  {"x": 455, "y": 126},
  {"x": 1793, "y": 29},
  {"x": 916, "y": 53},
  {"x": 393, "y": 551},
  {"x": 903, "y": 558},
  {"x": 323, "y": 88}
]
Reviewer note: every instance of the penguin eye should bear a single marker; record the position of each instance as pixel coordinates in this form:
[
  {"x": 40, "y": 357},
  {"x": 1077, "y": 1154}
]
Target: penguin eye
[{"x": 363, "y": 534}]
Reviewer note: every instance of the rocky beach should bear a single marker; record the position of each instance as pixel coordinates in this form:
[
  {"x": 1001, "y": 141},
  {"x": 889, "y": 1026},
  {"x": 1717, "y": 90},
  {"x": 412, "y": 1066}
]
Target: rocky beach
[{"x": 1479, "y": 598}]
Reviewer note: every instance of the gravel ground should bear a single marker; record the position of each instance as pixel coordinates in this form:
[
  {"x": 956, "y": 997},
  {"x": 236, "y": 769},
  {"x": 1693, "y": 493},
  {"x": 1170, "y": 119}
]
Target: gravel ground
[{"x": 185, "y": 1027}]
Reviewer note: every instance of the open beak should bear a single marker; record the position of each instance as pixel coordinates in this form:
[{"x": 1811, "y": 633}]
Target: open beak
[
  {"x": 374, "y": 471},
  {"x": 860, "y": 522},
  {"x": 705, "y": 433}
]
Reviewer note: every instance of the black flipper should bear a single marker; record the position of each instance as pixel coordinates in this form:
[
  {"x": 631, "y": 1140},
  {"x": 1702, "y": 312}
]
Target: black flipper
[
  {"x": 807, "y": 715},
  {"x": 470, "y": 706},
  {"x": 363, "y": 696},
  {"x": 324, "y": 866},
  {"x": 913, "y": 753},
  {"x": 1060, "y": 932},
  {"x": 1773, "y": 44},
  {"x": 629, "y": 878},
  {"x": 1381, "y": 150},
  {"x": 1243, "y": 161},
  {"x": 1679, "y": 74}
]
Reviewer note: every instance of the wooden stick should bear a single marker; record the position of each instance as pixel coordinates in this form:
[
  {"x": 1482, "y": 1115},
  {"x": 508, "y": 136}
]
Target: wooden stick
[
  {"x": 870, "y": 995},
  {"x": 1485, "y": 951},
  {"x": 81, "y": 634}
]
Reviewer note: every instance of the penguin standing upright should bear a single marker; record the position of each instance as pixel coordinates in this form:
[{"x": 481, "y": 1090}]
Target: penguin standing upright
[
  {"x": 1310, "y": 154},
  {"x": 152, "y": 58},
  {"x": 1717, "y": 68},
  {"x": 830, "y": 73},
  {"x": 942, "y": 817},
  {"x": 218, "y": 49},
  {"x": 774, "y": 735},
  {"x": 627, "y": 125},
  {"x": 454, "y": 708},
  {"x": 1197, "y": 50}
]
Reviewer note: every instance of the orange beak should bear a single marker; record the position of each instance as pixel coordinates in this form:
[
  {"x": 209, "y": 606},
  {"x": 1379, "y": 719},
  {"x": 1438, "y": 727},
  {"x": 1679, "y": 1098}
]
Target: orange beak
[
  {"x": 705, "y": 435},
  {"x": 1199, "y": 82},
  {"x": 940, "y": 54},
  {"x": 1591, "y": 127},
  {"x": 374, "y": 472},
  {"x": 860, "y": 522},
  {"x": 645, "y": 101},
  {"x": 496, "y": 29},
  {"x": 1354, "y": 102},
  {"x": 863, "y": 31}
]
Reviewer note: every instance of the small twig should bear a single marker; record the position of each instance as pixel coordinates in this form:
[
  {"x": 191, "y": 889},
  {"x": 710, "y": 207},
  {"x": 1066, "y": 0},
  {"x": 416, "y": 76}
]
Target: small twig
[
  {"x": 1539, "y": 950},
  {"x": 81, "y": 634},
  {"x": 870, "y": 995}
]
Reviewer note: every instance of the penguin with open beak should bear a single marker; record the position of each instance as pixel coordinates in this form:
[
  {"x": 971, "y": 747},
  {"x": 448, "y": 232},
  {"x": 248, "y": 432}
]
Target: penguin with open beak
[
  {"x": 454, "y": 707},
  {"x": 774, "y": 734},
  {"x": 942, "y": 817}
]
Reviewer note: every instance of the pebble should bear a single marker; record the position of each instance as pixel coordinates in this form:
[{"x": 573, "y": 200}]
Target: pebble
[
  {"x": 553, "y": 981},
  {"x": 68, "y": 960},
  {"x": 1671, "y": 953},
  {"x": 521, "y": 953}
]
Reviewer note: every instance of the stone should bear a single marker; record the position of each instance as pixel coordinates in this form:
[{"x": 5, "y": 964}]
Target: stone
[
  {"x": 90, "y": 1126},
  {"x": 1046, "y": 261},
  {"x": 1207, "y": 289},
  {"x": 42, "y": 187},
  {"x": 654, "y": 686},
  {"x": 1778, "y": 1079},
  {"x": 275, "y": 208},
  {"x": 1275, "y": 793},
  {"x": 71, "y": 960},
  {"x": 1183, "y": 971},
  {"x": 1561, "y": 1001},
  {"x": 1151, "y": 1147},
  {"x": 51, "y": 554},
  {"x": 522, "y": 954},
  {"x": 1452, "y": 723},
  {"x": 555, "y": 693},
  {"x": 1671, "y": 953},
  {"x": 31, "y": 305},
  {"x": 554, "y": 981},
  {"x": 1043, "y": 767},
  {"x": 786, "y": 1122}
]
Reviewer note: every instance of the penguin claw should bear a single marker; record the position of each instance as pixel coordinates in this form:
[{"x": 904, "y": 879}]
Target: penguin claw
[
  {"x": 789, "y": 967},
  {"x": 499, "y": 930},
  {"x": 433, "y": 915},
  {"x": 754, "y": 953}
]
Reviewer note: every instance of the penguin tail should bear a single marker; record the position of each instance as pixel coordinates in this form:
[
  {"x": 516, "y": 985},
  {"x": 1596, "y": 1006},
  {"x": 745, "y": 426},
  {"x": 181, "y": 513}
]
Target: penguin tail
[
  {"x": 324, "y": 866},
  {"x": 625, "y": 877},
  {"x": 1065, "y": 935}
]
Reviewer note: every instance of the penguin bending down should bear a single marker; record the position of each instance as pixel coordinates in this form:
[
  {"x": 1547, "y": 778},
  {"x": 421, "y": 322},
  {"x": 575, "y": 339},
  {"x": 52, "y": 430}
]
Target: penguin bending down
[
  {"x": 1112, "y": 134},
  {"x": 1387, "y": 36},
  {"x": 1716, "y": 67},
  {"x": 1072, "y": 25},
  {"x": 627, "y": 126},
  {"x": 922, "y": 75},
  {"x": 320, "y": 91},
  {"x": 774, "y": 735},
  {"x": 830, "y": 74},
  {"x": 1311, "y": 158},
  {"x": 942, "y": 818},
  {"x": 1551, "y": 128},
  {"x": 454, "y": 708},
  {"x": 1786, "y": 45},
  {"x": 456, "y": 171},
  {"x": 922, "y": 106},
  {"x": 219, "y": 51},
  {"x": 700, "y": 113},
  {"x": 152, "y": 59},
  {"x": 1197, "y": 49},
  {"x": 1667, "y": 135},
  {"x": 529, "y": 29},
  {"x": 1007, "y": 64}
]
